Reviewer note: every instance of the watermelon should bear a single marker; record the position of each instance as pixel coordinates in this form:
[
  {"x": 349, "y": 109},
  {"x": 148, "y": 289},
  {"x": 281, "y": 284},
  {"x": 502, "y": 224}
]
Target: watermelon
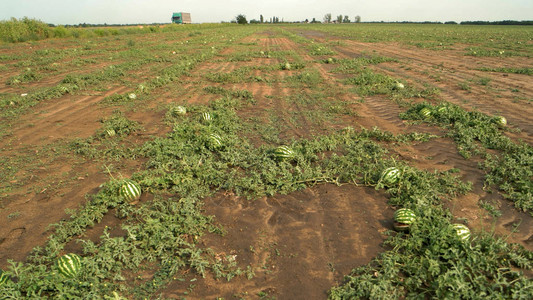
[
  {"x": 214, "y": 141},
  {"x": 130, "y": 190},
  {"x": 330, "y": 60},
  {"x": 132, "y": 96},
  {"x": 206, "y": 117},
  {"x": 390, "y": 175},
  {"x": 284, "y": 152},
  {"x": 500, "y": 120},
  {"x": 3, "y": 277},
  {"x": 462, "y": 231},
  {"x": 425, "y": 112},
  {"x": 287, "y": 66},
  {"x": 403, "y": 218},
  {"x": 399, "y": 86},
  {"x": 442, "y": 110},
  {"x": 111, "y": 132},
  {"x": 69, "y": 265},
  {"x": 178, "y": 110}
]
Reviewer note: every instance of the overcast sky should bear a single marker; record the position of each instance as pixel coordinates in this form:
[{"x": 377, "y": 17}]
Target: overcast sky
[{"x": 204, "y": 11}]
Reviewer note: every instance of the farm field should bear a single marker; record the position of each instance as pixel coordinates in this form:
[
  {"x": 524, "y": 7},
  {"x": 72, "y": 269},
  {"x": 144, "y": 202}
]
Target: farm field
[{"x": 195, "y": 115}]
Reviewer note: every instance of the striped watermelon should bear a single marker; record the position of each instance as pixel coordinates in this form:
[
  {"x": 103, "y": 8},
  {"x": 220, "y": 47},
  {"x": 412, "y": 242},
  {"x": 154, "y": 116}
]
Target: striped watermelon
[
  {"x": 403, "y": 218},
  {"x": 214, "y": 141},
  {"x": 69, "y": 265},
  {"x": 284, "y": 152},
  {"x": 390, "y": 175},
  {"x": 425, "y": 112},
  {"x": 111, "y": 132},
  {"x": 206, "y": 117},
  {"x": 178, "y": 111},
  {"x": 462, "y": 231},
  {"x": 442, "y": 110},
  {"x": 130, "y": 190},
  {"x": 501, "y": 121},
  {"x": 3, "y": 277}
]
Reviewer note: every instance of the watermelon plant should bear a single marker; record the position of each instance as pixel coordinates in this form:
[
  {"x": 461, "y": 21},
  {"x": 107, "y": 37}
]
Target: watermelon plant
[
  {"x": 69, "y": 265},
  {"x": 3, "y": 277}
]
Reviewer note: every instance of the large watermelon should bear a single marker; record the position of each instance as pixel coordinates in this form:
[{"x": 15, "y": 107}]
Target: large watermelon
[
  {"x": 284, "y": 152},
  {"x": 403, "y": 218},
  {"x": 69, "y": 265},
  {"x": 130, "y": 190},
  {"x": 3, "y": 277},
  {"x": 390, "y": 175},
  {"x": 462, "y": 231}
]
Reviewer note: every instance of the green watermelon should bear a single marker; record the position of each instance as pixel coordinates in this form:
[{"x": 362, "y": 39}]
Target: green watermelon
[
  {"x": 403, "y": 218},
  {"x": 69, "y": 265},
  {"x": 442, "y": 110},
  {"x": 178, "y": 111},
  {"x": 462, "y": 231},
  {"x": 501, "y": 121},
  {"x": 390, "y": 175},
  {"x": 111, "y": 132},
  {"x": 130, "y": 190},
  {"x": 3, "y": 277},
  {"x": 284, "y": 152},
  {"x": 206, "y": 117},
  {"x": 214, "y": 141},
  {"x": 287, "y": 66},
  {"x": 425, "y": 112}
]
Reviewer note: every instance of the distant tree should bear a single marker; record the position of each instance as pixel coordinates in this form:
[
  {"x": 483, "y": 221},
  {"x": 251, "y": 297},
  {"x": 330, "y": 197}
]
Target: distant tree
[
  {"x": 254, "y": 21},
  {"x": 450, "y": 22},
  {"x": 346, "y": 19},
  {"x": 241, "y": 19},
  {"x": 306, "y": 21},
  {"x": 339, "y": 19},
  {"x": 261, "y": 19},
  {"x": 327, "y": 18},
  {"x": 357, "y": 19}
]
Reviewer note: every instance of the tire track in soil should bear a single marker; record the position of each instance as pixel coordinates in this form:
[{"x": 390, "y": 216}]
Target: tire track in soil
[{"x": 298, "y": 245}]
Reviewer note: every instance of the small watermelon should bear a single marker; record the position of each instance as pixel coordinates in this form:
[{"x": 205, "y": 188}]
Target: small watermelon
[
  {"x": 111, "y": 132},
  {"x": 442, "y": 110},
  {"x": 206, "y": 117},
  {"x": 501, "y": 121},
  {"x": 130, "y": 190},
  {"x": 69, "y": 265},
  {"x": 403, "y": 218},
  {"x": 284, "y": 152},
  {"x": 425, "y": 112},
  {"x": 3, "y": 277},
  {"x": 462, "y": 231},
  {"x": 287, "y": 66},
  {"x": 178, "y": 111},
  {"x": 399, "y": 86},
  {"x": 390, "y": 175},
  {"x": 214, "y": 141},
  {"x": 330, "y": 60}
]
